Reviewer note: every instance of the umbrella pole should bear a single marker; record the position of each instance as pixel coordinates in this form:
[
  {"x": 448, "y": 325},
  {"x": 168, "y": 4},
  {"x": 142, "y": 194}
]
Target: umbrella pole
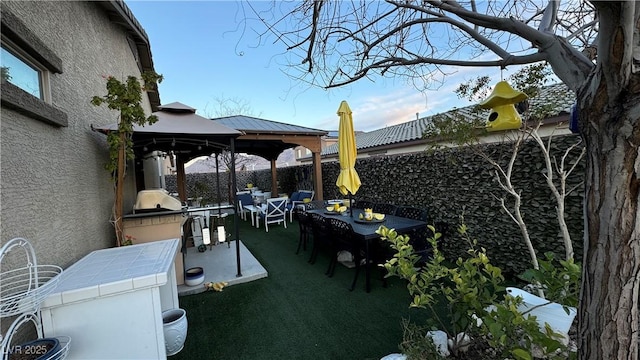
[{"x": 351, "y": 203}]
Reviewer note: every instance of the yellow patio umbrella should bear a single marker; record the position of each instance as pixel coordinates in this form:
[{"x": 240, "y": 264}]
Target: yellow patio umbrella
[{"x": 348, "y": 181}]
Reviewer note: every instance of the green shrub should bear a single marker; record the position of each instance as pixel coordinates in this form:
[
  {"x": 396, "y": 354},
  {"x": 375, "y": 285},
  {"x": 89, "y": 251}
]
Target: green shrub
[
  {"x": 558, "y": 279},
  {"x": 470, "y": 287},
  {"x": 415, "y": 345}
]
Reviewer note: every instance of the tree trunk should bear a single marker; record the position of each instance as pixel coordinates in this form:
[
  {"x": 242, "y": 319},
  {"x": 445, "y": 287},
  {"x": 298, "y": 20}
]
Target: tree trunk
[
  {"x": 608, "y": 312},
  {"x": 117, "y": 207}
]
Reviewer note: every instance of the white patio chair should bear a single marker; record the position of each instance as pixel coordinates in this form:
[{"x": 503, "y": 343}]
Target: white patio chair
[
  {"x": 274, "y": 212},
  {"x": 299, "y": 201},
  {"x": 244, "y": 200}
]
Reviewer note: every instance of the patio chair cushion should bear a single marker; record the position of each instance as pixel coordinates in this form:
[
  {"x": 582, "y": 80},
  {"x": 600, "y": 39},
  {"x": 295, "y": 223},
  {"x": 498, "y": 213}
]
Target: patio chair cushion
[
  {"x": 295, "y": 196},
  {"x": 306, "y": 194},
  {"x": 244, "y": 200}
]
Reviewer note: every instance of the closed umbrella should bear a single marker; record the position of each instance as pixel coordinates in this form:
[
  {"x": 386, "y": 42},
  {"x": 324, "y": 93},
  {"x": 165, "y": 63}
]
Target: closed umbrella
[{"x": 348, "y": 181}]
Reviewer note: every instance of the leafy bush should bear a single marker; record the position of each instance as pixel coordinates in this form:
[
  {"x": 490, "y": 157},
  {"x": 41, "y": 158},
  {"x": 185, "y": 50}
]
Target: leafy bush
[
  {"x": 415, "y": 345},
  {"x": 559, "y": 279},
  {"x": 470, "y": 288}
]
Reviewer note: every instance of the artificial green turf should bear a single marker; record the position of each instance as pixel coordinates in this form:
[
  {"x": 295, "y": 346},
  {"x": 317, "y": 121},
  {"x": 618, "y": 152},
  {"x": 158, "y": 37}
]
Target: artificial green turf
[{"x": 297, "y": 312}]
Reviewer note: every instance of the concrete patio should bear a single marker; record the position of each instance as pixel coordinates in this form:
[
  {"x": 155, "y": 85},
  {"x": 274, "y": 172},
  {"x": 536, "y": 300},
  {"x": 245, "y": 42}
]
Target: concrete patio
[{"x": 219, "y": 264}]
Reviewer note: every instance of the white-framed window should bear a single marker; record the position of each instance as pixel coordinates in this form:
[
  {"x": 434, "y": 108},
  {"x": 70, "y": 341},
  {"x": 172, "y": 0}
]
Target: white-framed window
[
  {"x": 27, "y": 67},
  {"x": 23, "y": 71}
]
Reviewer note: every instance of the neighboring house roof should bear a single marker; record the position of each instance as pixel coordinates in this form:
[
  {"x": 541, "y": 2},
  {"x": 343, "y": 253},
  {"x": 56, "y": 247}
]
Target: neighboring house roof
[
  {"x": 120, "y": 13},
  {"x": 253, "y": 125},
  {"x": 558, "y": 94}
]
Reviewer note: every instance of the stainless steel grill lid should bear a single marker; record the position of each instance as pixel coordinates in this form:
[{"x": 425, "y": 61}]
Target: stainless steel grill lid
[{"x": 157, "y": 199}]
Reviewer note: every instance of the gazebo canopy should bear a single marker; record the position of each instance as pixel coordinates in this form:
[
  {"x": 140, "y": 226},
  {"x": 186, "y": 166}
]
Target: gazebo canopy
[
  {"x": 269, "y": 139},
  {"x": 181, "y": 131},
  {"x": 188, "y": 135}
]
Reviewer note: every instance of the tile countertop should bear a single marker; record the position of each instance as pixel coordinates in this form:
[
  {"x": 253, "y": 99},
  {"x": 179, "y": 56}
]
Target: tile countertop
[
  {"x": 115, "y": 270},
  {"x": 183, "y": 211}
]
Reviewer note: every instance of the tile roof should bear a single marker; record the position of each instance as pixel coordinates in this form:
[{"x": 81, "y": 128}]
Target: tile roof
[
  {"x": 558, "y": 94},
  {"x": 252, "y": 125}
]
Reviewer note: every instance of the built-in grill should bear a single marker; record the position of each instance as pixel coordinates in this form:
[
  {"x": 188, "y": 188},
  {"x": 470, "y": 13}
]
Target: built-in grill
[{"x": 155, "y": 200}]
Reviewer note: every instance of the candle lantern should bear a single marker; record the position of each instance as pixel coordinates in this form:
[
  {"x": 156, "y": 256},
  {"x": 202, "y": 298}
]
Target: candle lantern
[{"x": 503, "y": 115}]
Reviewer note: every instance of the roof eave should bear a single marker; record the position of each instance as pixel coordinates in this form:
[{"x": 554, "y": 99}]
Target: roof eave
[{"x": 120, "y": 13}]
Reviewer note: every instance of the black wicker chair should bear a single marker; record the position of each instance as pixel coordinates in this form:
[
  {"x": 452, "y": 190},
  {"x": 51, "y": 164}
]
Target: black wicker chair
[
  {"x": 363, "y": 204},
  {"x": 305, "y": 222},
  {"x": 418, "y": 238},
  {"x": 342, "y": 235},
  {"x": 411, "y": 212},
  {"x": 384, "y": 208},
  {"x": 321, "y": 238},
  {"x": 306, "y": 231}
]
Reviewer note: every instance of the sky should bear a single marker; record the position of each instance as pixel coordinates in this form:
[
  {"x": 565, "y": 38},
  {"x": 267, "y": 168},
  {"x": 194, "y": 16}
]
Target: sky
[{"x": 205, "y": 53}]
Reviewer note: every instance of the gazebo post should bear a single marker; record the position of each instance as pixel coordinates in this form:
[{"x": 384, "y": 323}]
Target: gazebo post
[
  {"x": 317, "y": 175},
  {"x": 274, "y": 179},
  {"x": 235, "y": 201},
  {"x": 181, "y": 178},
  {"x": 218, "y": 183}
]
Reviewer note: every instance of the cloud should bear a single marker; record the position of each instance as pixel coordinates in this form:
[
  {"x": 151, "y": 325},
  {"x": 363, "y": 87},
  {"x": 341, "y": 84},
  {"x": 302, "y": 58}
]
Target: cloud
[{"x": 401, "y": 105}]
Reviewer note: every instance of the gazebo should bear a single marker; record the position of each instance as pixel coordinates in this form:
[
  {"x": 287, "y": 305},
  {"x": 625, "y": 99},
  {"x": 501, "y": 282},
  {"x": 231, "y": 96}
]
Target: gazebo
[
  {"x": 181, "y": 131},
  {"x": 268, "y": 139}
]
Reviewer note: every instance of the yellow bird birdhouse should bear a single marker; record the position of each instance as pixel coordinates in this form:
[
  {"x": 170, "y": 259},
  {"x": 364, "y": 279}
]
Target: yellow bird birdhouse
[{"x": 503, "y": 115}]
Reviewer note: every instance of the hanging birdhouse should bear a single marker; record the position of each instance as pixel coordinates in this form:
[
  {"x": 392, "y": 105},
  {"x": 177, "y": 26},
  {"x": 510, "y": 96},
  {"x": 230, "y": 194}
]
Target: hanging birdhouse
[{"x": 503, "y": 115}]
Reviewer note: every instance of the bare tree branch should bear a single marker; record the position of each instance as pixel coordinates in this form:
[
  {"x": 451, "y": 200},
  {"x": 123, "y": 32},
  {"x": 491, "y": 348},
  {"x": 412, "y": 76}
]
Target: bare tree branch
[
  {"x": 342, "y": 42},
  {"x": 549, "y": 17},
  {"x": 401, "y": 62}
]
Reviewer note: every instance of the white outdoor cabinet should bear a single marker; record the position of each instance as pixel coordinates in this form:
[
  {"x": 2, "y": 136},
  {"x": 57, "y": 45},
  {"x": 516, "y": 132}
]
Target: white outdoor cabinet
[{"x": 111, "y": 302}]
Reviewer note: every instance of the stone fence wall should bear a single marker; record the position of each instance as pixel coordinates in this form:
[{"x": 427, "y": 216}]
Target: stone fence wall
[{"x": 451, "y": 183}]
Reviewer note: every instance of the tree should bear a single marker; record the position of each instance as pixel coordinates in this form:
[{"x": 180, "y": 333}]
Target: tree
[
  {"x": 452, "y": 126},
  {"x": 125, "y": 97},
  {"x": 593, "y": 47},
  {"x": 230, "y": 107}
]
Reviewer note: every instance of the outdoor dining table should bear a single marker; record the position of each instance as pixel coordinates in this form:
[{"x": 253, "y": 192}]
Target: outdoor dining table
[{"x": 365, "y": 231}]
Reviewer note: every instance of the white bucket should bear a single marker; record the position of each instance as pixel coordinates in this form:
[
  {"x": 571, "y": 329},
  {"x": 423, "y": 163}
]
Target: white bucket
[{"x": 550, "y": 312}]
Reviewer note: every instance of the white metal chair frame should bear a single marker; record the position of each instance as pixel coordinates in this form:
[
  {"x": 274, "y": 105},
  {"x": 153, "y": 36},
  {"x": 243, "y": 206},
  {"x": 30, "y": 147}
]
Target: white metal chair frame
[
  {"x": 297, "y": 203},
  {"x": 275, "y": 212},
  {"x": 241, "y": 207}
]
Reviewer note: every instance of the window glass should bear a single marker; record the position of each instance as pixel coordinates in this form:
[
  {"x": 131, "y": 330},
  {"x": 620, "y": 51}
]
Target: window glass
[{"x": 21, "y": 74}]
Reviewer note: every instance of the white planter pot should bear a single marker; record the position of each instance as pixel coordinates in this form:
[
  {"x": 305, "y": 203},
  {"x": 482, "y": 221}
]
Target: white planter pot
[
  {"x": 551, "y": 313},
  {"x": 174, "y": 323},
  {"x": 194, "y": 276}
]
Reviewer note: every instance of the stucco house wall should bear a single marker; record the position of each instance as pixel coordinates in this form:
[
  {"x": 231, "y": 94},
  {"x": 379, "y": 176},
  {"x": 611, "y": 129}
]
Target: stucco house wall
[{"x": 55, "y": 191}]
